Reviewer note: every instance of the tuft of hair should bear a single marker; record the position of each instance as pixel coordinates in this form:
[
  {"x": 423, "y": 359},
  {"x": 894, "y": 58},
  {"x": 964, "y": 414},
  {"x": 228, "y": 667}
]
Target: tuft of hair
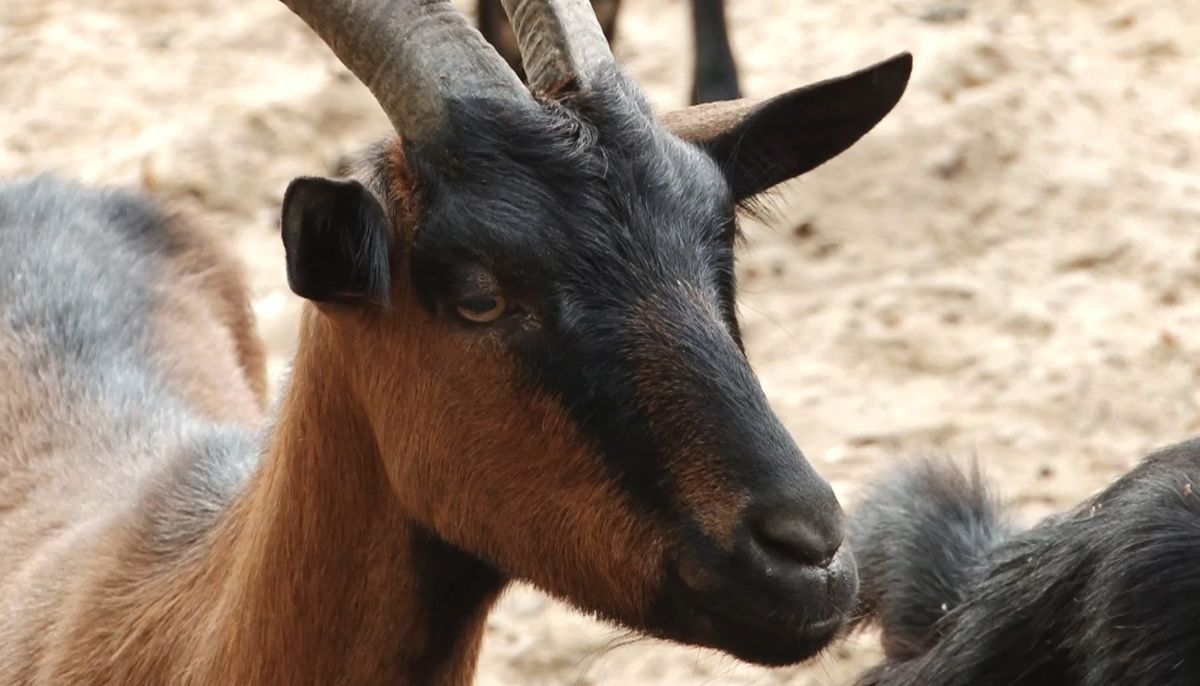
[{"x": 921, "y": 536}]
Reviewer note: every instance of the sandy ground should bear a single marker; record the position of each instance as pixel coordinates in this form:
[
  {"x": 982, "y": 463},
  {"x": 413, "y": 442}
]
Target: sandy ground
[{"x": 1008, "y": 267}]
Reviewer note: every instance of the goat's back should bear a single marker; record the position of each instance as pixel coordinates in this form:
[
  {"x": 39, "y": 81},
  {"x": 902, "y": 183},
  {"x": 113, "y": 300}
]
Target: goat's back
[{"x": 127, "y": 347}]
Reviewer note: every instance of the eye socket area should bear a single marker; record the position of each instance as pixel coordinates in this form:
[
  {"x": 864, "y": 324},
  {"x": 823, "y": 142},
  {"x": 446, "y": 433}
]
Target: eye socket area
[
  {"x": 482, "y": 308},
  {"x": 474, "y": 295}
]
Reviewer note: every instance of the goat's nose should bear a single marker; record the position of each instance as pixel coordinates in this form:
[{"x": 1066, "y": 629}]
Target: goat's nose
[{"x": 796, "y": 537}]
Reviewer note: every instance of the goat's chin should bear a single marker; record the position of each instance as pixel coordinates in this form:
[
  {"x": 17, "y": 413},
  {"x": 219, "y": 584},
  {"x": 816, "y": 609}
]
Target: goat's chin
[
  {"x": 762, "y": 642},
  {"x": 784, "y": 646},
  {"x": 755, "y": 641},
  {"x": 775, "y": 627}
]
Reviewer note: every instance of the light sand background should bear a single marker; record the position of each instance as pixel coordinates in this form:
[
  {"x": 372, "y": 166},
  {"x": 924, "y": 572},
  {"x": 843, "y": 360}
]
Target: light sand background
[{"x": 1008, "y": 267}]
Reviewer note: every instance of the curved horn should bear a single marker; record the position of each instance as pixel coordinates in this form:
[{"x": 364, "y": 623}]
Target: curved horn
[
  {"x": 560, "y": 40},
  {"x": 413, "y": 55}
]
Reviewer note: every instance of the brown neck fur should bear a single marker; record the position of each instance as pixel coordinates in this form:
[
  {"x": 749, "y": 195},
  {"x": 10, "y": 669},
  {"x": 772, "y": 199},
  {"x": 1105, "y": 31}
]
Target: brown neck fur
[{"x": 324, "y": 578}]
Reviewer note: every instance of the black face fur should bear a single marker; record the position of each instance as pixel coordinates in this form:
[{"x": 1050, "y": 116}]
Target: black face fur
[
  {"x": 590, "y": 220},
  {"x": 580, "y": 217},
  {"x": 610, "y": 243}
]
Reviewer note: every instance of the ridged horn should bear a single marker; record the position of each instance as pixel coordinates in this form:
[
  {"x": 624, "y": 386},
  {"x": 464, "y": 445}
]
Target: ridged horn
[
  {"x": 560, "y": 41},
  {"x": 413, "y": 55}
]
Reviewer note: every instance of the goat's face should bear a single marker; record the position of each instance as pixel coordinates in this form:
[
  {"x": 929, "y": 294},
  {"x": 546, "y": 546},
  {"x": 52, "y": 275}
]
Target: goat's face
[{"x": 557, "y": 383}]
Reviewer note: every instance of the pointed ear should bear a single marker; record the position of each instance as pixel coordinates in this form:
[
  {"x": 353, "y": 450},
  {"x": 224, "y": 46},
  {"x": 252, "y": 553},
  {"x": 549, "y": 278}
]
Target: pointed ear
[
  {"x": 335, "y": 235},
  {"x": 762, "y": 143}
]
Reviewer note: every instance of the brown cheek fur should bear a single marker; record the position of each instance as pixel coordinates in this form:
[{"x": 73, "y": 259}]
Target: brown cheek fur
[
  {"x": 492, "y": 466},
  {"x": 702, "y": 483},
  {"x": 500, "y": 471}
]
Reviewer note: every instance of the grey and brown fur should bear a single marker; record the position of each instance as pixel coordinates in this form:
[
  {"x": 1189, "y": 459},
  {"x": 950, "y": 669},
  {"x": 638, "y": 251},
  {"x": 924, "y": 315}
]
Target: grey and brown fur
[{"x": 132, "y": 383}]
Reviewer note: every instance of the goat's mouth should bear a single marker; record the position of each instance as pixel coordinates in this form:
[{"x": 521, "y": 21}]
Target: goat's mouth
[
  {"x": 767, "y": 619},
  {"x": 769, "y": 641}
]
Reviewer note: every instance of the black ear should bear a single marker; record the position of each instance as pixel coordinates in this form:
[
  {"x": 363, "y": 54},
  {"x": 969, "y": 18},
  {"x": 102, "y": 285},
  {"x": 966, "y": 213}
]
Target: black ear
[
  {"x": 336, "y": 238},
  {"x": 759, "y": 145}
]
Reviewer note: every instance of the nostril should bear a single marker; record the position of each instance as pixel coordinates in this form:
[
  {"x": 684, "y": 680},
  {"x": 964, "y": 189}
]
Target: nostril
[{"x": 793, "y": 538}]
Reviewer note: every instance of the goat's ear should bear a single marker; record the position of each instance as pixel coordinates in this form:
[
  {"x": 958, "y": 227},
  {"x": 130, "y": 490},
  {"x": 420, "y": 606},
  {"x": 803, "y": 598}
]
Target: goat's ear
[
  {"x": 760, "y": 144},
  {"x": 336, "y": 237}
]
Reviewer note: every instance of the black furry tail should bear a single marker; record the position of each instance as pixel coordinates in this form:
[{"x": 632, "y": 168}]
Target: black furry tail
[{"x": 921, "y": 537}]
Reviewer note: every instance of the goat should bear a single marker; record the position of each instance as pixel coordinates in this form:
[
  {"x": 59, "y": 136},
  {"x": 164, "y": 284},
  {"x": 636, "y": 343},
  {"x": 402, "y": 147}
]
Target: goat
[
  {"x": 714, "y": 71},
  {"x": 519, "y": 359},
  {"x": 1098, "y": 596}
]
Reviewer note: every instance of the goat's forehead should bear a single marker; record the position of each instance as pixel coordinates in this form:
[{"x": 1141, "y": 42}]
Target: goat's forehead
[
  {"x": 558, "y": 196},
  {"x": 609, "y": 179},
  {"x": 643, "y": 215}
]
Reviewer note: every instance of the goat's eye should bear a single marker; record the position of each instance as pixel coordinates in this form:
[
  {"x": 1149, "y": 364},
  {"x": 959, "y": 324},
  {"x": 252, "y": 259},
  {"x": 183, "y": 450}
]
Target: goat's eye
[{"x": 482, "y": 309}]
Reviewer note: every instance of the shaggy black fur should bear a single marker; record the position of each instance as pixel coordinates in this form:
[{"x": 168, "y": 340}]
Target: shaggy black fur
[{"x": 1103, "y": 595}]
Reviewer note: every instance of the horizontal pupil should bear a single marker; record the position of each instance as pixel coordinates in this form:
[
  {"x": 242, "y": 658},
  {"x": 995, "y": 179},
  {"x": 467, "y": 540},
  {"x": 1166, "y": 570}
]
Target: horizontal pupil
[{"x": 479, "y": 304}]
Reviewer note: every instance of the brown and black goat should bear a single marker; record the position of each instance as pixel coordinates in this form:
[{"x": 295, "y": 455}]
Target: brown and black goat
[
  {"x": 714, "y": 71},
  {"x": 521, "y": 360}
]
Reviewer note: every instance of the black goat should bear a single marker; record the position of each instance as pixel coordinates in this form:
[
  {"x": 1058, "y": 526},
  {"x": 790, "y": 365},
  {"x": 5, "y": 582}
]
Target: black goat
[
  {"x": 714, "y": 75},
  {"x": 1098, "y": 596}
]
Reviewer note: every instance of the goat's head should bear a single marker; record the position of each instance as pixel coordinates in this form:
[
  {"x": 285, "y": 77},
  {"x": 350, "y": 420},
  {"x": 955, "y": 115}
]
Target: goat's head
[{"x": 535, "y": 295}]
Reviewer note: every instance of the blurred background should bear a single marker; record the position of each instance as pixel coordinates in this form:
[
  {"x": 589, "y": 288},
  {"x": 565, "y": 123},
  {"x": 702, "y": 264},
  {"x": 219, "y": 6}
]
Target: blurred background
[{"x": 1007, "y": 269}]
